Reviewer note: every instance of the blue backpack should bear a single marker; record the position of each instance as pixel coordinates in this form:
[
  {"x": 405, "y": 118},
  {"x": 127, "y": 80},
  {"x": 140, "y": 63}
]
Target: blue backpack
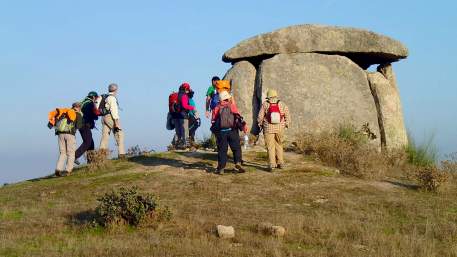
[{"x": 214, "y": 101}]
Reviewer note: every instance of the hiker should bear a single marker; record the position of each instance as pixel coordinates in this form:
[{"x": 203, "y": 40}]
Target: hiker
[
  {"x": 109, "y": 109},
  {"x": 180, "y": 113},
  {"x": 212, "y": 97},
  {"x": 89, "y": 111},
  {"x": 226, "y": 123},
  {"x": 274, "y": 118},
  {"x": 66, "y": 122},
  {"x": 194, "y": 123}
]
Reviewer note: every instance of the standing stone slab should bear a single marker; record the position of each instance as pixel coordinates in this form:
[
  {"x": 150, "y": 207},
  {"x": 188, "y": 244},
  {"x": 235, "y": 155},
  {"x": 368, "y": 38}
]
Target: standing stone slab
[
  {"x": 242, "y": 76},
  {"x": 393, "y": 132},
  {"x": 323, "y": 92}
]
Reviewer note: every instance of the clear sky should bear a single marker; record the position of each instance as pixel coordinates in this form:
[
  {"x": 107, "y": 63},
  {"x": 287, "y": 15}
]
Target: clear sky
[{"x": 53, "y": 53}]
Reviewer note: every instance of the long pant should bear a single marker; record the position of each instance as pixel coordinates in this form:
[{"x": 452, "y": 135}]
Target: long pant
[
  {"x": 182, "y": 130},
  {"x": 273, "y": 142},
  {"x": 224, "y": 139},
  {"x": 108, "y": 125},
  {"x": 192, "y": 128},
  {"x": 67, "y": 148},
  {"x": 88, "y": 141}
]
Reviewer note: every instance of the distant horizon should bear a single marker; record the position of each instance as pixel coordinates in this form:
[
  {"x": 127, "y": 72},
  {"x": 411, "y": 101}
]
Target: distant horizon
[{"x": 54, "y": 53}]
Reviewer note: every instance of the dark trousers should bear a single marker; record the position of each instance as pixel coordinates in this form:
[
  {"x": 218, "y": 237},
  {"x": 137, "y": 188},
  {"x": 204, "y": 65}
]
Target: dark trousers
[
  {"x": 88, "y": 141},
  {"x": 224, "y": 139}
]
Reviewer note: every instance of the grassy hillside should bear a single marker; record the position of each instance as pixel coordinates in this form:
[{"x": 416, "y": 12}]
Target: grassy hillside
[{"x": 324, "y": 213}]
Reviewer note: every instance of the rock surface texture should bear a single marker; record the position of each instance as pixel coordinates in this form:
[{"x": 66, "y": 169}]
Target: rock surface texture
[
  {"x": 225, "y": 232},
  {"x": 320, "y": 73}
]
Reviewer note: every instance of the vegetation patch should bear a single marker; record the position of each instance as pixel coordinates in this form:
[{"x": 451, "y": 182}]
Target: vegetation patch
[{"x": 128, "y": 206}]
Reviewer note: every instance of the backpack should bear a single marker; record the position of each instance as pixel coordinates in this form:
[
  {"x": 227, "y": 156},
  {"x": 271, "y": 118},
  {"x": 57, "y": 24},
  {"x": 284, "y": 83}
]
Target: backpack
[
  {"x": 101, "y": 105},
  {"x": 173, "y": 103},
  {"x": 226, "y": 117},
  {"x": 64, "y": 125},
  {"x": 214, "y": 101},
  {"x": 274, "y": 115}
]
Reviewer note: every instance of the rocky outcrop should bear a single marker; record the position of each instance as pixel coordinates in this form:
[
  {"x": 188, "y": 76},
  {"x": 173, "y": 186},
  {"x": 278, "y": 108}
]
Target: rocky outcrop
[
  {"x": 392, "y": 127},
  {"x": 319, "y": 72},
  {"x": 242, "y": 80},
  {"x": 322, "y": 92},
  {"x": 365, "y": 46}
]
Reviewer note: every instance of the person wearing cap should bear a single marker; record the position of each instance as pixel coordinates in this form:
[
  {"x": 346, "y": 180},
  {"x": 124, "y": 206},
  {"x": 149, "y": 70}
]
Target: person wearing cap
[
  {"x": 209, "y": 95},
  {"x": 89, "y": 112},
  {"x": 67, "y": 140},
  {"x": 111, "y": 122},
  {"x": 274, "y": 118},
  {"x": 181, "y": 118},
  {"x": 227, "y": 135}
]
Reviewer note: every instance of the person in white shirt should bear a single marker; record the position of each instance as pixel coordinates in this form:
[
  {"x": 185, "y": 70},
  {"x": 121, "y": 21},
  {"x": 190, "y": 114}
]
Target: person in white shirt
[{"x": 111, "y": 122}]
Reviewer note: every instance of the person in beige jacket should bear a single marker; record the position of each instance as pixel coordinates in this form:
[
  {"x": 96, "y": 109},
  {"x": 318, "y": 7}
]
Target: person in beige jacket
[
  {"x": 111, "y": 122},
  {"x": 274, "y": 118}
]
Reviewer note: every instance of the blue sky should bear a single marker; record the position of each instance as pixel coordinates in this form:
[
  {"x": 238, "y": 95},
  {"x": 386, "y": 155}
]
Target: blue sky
[{"x": 53, "y": 52}]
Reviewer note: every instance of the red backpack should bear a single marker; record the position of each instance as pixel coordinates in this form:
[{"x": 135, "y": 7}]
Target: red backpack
[
  {"x": 274, "y": 115},
  {"x": 173, "y": 103}
]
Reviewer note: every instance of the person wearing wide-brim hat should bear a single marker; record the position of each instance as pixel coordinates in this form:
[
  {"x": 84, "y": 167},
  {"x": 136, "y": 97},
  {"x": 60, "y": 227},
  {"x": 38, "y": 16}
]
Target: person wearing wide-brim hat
[
  {"x": 226, "y": 123},
  {"x": 274, "y": 118}
]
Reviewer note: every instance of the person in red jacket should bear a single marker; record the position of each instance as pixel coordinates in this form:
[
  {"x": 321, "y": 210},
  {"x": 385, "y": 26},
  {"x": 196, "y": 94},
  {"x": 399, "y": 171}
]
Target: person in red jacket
[
  {"x": 226, "y": 123},
  {"x": 181, "y": 118}
]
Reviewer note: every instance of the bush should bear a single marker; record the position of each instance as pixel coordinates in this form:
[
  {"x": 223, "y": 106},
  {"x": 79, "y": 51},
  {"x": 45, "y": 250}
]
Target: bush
[
  {"x": 208, "y": 142},
  {"x": 97, "y": 159},
  {"x": 431, "y": 178},
  {"x": 127, "y": 206},
  {"x": 422, "y": 155},
  {"x": 347, "y": 149}
]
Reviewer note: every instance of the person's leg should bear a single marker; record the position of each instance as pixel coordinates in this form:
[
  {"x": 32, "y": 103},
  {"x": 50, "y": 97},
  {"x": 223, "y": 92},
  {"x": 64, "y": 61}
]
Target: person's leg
[
  {"x": 235, "y": 145},
  {"x": 62, "y": 153},
  {"x": 71, "y": 148},
  {"x": 86, "y": 136},
  {"x": 106, "y": 131},
  {"x": 186, "y": 132},
  {"x": 119, "y": 136},
  {"x": 222, "y": 143},
  {"x": 279, "y": 137},
  {"x": 92, "y": 143},
  {"x": 179, "y": 127},
  {"x": 192, "y": 129},
  {"x": 270, "y": 144}
]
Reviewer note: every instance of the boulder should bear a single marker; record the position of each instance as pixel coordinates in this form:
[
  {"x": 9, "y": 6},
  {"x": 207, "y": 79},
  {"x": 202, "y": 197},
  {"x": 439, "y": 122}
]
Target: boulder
[
  {"x": 225, "y": 232},
  {"x": 387, "y": 98},
  {"x": 242, "y": 78},
  {"x": 362, "y": 46},
  {"x": 322, "y": 92}
]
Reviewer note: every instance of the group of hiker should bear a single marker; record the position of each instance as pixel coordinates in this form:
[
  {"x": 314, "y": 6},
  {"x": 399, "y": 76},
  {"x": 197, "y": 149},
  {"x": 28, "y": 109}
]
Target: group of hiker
[
  {"x": 183, "y": 118},
  {"x": 82, "y": 117},
  {"x": 227, "y": 123}
]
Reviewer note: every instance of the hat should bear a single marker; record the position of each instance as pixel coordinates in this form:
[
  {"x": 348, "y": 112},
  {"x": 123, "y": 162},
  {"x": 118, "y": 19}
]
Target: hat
[
  {"x": 112, "y": 87},
  {"x": 224, "y": 95},
  {"x": 271, "y": 93},
  {"x": 185, "y": 86},
  {"x": 215, "y": 78},
  {"x": 92, "y": 94}
]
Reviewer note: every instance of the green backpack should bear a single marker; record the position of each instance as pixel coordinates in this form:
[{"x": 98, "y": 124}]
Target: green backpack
[{"x": 63, "y": 125}]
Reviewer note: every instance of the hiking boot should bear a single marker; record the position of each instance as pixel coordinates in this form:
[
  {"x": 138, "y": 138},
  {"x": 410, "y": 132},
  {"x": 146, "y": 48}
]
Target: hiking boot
[
  {"x": 271, "y": 169},
  {"x": 58, "y": 173},
  {"x": 239, "y": 168},
  {"x": 77, "y": 162},
  {"x": 219, "y": 172},
  {"x": 66, "y": 174},
  {"x": 280, "y": 166}
]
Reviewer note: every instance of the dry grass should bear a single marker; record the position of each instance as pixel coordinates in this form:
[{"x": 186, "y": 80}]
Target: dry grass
[
  {"x": 324, "y": 214},
  {"x": 97, "y": 159}
]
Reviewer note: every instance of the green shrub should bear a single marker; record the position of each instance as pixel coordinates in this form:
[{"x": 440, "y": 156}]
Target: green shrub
[
  {"x": 208, "y": 142},
  {"x": 127, "y": 206},
  {"x": 422, "y": 155}
]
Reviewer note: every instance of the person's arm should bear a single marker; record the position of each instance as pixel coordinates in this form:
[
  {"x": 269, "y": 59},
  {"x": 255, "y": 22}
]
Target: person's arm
[
  {"x": 261, "y": 116},
  {"x": 185, "y": 103},
  {"x": 114, "y": 110}
]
